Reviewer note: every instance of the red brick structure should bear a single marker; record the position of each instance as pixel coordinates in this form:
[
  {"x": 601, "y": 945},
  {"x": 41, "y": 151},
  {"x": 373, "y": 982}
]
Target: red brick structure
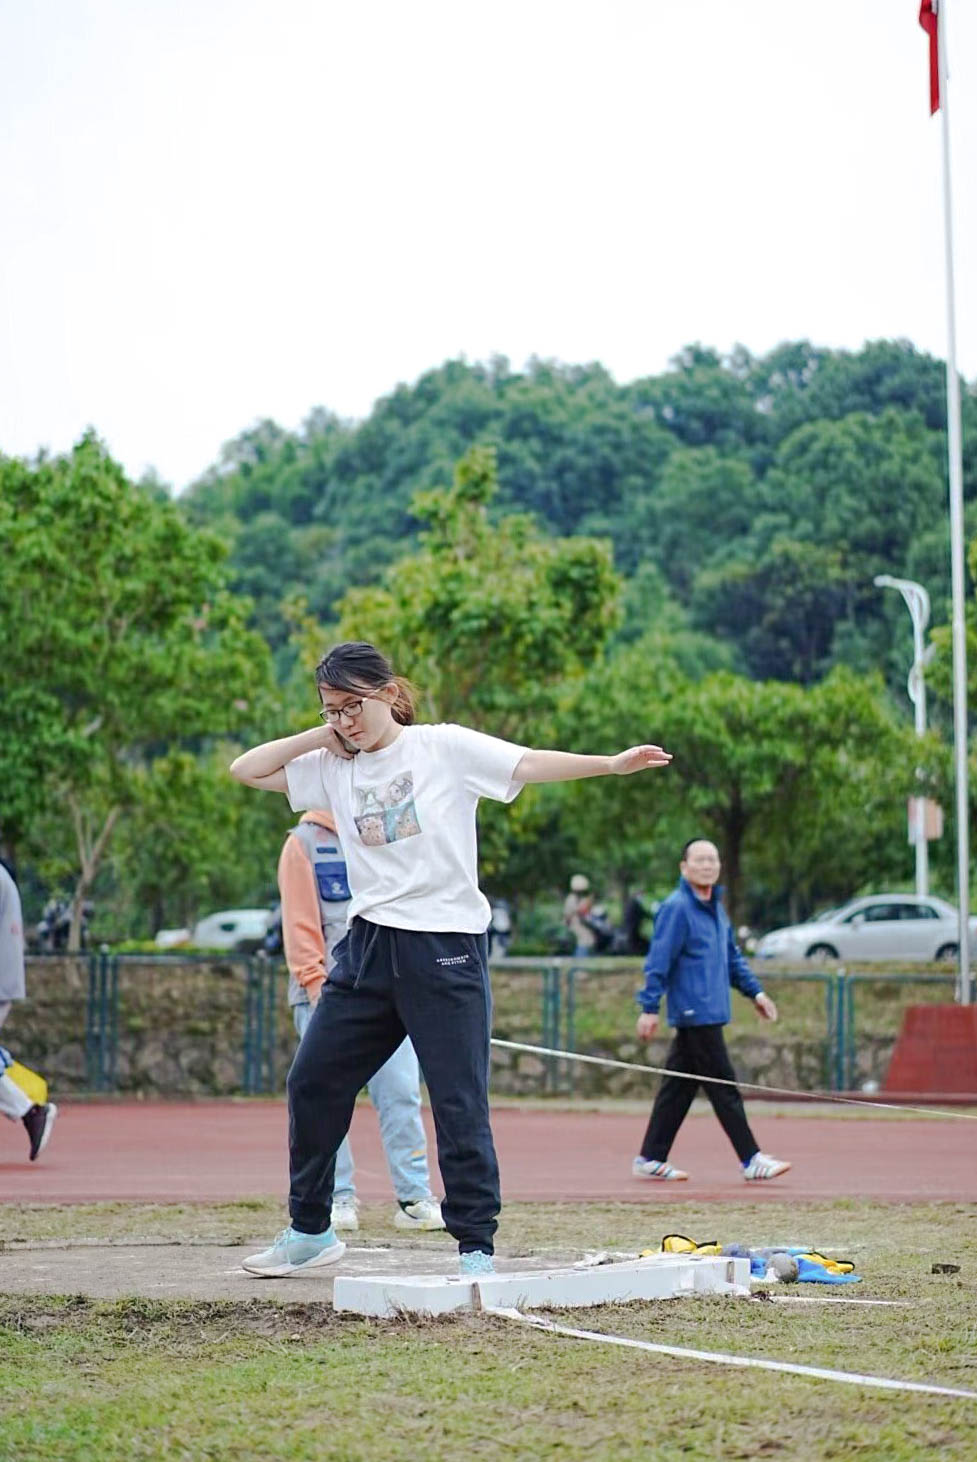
[{"x": 936, "y": 1051}]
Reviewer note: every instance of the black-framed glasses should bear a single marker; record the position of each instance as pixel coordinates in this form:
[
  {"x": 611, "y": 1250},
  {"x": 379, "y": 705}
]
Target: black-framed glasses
[{"x": 351, "y": 710}]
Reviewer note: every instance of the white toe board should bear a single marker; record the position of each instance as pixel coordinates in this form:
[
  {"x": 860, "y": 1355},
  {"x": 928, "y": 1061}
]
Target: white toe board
[{"x": 661, "y": 1276}]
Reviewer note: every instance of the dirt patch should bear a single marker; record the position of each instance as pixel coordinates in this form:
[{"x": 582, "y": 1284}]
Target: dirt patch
[{"x": 176, "y": 1270}]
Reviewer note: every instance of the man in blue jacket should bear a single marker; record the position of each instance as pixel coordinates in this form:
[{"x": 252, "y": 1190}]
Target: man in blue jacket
[{"x": 694, "y": 958}]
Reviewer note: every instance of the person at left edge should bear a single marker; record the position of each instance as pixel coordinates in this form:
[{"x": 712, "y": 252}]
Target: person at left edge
[{"x": 37, "y": 1117}]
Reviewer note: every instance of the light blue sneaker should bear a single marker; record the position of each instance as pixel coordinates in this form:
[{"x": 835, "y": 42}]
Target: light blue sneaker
[
  {"x": 293, "y": 1251},
  {"x": 475, "y": 1265}
]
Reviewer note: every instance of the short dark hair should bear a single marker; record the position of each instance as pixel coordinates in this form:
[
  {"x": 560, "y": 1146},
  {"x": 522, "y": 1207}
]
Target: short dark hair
[{"x": 700, "y": 838}]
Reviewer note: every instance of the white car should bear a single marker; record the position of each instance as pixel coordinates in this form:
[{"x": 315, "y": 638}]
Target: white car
[
  {"x": 238, "y": 929},
  {"x": 242, "y": 929},
  {"x": 172, "y": 938},
  {"x": 891, "y": 926}
]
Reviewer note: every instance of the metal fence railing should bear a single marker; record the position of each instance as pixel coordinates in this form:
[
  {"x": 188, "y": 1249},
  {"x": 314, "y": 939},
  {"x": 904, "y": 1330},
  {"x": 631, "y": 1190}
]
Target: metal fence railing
[
  {"x": 822, "y": 1039},
  {"x": 178, "y": 1023},
  {"x": 591, "y": 1009},
  {"x": 104, "y": 1022},
  {"x": 219, "y": 1024}
]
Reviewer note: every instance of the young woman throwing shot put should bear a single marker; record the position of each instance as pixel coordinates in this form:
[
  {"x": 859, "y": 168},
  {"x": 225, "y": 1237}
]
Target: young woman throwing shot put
[{"x": 414, "y": 959}]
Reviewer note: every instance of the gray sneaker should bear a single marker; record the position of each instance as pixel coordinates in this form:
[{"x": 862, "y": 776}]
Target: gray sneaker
[{"x": 292, "y": 1251}]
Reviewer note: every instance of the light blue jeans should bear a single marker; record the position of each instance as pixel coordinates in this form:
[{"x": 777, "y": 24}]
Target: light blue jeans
[{"x": 396, "y": 1093}]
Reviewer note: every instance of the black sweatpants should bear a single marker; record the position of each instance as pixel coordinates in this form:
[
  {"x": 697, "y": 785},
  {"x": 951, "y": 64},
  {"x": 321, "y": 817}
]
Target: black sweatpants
[
  {"x": 701, "y": 1050},
  {"x": 388, "y": 983}
]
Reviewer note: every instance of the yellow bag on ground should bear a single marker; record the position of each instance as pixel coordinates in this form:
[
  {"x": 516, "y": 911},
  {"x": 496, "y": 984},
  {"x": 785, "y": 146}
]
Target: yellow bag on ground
[
  {"x": 679, "y": 1244},
  {"x": 30, "y": 1083},
  {"x": 833, "y": 1266}
]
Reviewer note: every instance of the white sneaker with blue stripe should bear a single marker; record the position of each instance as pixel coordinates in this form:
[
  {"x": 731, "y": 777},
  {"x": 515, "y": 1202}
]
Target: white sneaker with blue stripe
[
  {"x": 762, "y": 1167},
  {"x": 662, "y": 1172},
  {"x": 292, "y": 1251}
]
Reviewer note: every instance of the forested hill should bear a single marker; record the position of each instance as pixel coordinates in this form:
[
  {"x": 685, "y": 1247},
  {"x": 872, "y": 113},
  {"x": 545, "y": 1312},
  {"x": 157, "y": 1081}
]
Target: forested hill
[{"x": 749, "y": 499}]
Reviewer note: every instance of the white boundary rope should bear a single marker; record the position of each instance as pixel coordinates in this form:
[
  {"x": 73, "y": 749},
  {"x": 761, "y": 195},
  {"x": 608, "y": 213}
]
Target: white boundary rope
[
  {"x": 718, "y": 1357},
  {"x": 814, "y": 1096}
]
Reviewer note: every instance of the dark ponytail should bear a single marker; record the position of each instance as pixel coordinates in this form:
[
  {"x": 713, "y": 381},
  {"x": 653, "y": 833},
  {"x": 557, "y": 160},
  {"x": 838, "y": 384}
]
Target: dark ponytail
[{"x": 356, "y": 665}]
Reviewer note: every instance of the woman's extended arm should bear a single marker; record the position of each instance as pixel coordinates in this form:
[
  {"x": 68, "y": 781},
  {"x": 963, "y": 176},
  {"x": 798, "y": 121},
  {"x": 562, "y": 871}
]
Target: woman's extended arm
[
  {"x": 264, "y": 766},
  {"x": 568, "y": 766}
]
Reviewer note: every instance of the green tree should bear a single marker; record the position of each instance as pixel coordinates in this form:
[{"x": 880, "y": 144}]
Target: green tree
[
  {"x": 781, "y": 611},
  {"x": 117, "y": 638},
  {"x": 194, "y": 841},
  {"x": 703, "y": 401},
  {"x": 799, "y": 383},
  {"x": 651, "y": 615},
  {"x": 704, "y": 502},
  {"x": 491, "y": 619},
  {"x": 626, "y": 829},
  {"x": 807, "y": 786},
  {"x": 758, "y": 759},
  {"x": 845, "y": 500},
  {"x": 701, "y": 470},
  {"x": 271, "y": 557},
  {"x": 939, "y": 675},
  {"x": 841, "y": 826},
  {"x": 866, "y": 484},
  {"x": 572, "y": 448}
]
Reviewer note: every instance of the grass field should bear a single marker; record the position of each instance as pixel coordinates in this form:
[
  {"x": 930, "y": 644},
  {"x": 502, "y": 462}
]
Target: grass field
[{"x": 86, "y": 1381}]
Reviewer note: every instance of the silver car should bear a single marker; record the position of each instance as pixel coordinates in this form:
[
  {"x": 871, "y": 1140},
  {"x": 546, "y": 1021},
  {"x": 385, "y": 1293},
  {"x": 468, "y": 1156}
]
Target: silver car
[
  {"x": 896, "y": 926},
  {"x": 240, "y": 930}
]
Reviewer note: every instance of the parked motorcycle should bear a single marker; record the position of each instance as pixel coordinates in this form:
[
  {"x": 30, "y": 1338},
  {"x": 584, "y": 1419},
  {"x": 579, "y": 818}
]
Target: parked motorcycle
[{"x": 54, "y": 926}]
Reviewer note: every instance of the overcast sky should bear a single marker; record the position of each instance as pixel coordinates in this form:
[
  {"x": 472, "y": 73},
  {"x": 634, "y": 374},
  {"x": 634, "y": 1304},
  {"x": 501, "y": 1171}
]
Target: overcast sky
[{"x": 220, "y": 210}]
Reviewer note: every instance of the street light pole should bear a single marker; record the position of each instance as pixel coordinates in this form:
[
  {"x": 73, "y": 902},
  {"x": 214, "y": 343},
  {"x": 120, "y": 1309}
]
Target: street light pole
[{"x": 918, "y": 604}]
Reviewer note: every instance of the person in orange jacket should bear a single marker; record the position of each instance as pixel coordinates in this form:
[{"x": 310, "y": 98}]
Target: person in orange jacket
[{"x": 315, "y": 899}]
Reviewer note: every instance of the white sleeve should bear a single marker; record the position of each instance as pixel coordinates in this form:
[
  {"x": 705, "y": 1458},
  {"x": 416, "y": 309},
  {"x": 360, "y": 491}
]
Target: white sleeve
[
  {"x": 487, "y": 762},
  {"x": 306, "y": 779}
]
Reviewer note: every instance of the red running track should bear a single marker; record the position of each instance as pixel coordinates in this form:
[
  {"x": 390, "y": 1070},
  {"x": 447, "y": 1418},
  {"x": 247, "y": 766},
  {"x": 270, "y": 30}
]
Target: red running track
[{"x": 220, "y": 1151}]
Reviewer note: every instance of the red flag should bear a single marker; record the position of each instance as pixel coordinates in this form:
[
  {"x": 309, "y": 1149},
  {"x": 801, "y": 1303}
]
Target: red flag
[{"x": 927, "y": 19}]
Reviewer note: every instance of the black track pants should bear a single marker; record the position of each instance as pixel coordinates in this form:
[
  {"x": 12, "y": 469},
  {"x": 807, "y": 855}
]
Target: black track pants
[
  {"x": 700, "y": 1049},
  {"x": 388, "y": 983}
]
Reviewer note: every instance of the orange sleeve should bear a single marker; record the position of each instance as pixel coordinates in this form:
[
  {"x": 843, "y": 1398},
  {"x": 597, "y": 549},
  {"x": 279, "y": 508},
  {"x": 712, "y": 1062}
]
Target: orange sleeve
[{"x": 305, "y": 947}]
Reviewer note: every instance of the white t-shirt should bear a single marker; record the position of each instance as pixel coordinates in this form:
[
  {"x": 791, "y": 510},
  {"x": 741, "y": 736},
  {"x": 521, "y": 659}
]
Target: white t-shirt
[{"x": 406, "y": 816}]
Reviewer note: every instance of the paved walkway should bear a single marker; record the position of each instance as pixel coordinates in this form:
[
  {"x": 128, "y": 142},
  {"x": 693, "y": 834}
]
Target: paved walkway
[{"x": 220, "y": 1151}]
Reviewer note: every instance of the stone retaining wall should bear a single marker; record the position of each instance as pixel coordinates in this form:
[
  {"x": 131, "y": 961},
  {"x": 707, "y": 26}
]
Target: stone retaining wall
[{"x": 181, "y": 1029}]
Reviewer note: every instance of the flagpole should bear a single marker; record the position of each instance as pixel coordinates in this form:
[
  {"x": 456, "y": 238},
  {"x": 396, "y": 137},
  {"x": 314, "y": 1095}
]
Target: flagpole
[{"x": 955, "y": 463}]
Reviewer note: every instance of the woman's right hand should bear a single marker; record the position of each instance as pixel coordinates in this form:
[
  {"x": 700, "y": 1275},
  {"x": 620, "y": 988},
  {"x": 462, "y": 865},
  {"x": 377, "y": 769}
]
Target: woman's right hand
[{"x": 332, "y": 743}]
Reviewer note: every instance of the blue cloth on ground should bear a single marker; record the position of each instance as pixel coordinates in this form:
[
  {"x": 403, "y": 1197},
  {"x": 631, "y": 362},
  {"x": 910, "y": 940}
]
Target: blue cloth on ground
[{"x": 811, "y": 1273}]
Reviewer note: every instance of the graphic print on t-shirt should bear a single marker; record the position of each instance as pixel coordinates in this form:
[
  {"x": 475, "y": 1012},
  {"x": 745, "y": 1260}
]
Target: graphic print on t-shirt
[{"x": 387, "y": 814}]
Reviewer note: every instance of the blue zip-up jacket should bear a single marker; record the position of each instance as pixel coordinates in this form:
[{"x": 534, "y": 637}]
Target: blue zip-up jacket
[{"x": 694, "y": 959}]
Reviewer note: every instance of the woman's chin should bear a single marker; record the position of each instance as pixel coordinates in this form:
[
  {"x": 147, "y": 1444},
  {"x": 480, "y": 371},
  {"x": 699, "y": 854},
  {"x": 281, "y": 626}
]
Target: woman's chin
[{"x": 367, "y": 741}]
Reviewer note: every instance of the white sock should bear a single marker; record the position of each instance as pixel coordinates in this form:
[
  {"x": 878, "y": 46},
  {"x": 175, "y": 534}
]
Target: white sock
[{"x": 13, "y": 1103}]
